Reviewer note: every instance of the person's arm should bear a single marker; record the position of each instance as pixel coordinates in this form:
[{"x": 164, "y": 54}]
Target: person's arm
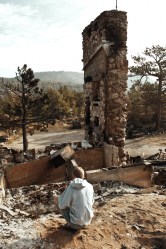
[
  {"x": 65, "y": 199},
  {"x": 57, "y": 196},
  {"x": 56, "y": 199}
]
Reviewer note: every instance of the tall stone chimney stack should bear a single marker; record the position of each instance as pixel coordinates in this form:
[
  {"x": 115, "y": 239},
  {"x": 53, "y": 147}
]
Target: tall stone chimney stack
[{"x": 105, "y": 80}]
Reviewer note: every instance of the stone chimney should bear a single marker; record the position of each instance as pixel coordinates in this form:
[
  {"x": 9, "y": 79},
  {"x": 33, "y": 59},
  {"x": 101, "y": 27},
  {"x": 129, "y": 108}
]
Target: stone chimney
[{"x": 105, "y": 79}]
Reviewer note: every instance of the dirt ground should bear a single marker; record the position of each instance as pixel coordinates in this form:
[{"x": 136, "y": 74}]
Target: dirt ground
[
  {"x": 121, "y": 221},
  {"x": 143, "y": 146},
  {"x": 54, "y": 135},
  {"x": 147, "y": 145},
  {"x": 128, "y": 221}
]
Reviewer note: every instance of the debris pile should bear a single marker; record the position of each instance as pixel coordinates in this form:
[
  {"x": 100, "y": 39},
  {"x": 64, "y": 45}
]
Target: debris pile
[
  {"x": 35, "y": 200},
  {"x": 10, "y": 157},
  {"x": 31, "y": 200},
  {"x": 28, "y": 212}
]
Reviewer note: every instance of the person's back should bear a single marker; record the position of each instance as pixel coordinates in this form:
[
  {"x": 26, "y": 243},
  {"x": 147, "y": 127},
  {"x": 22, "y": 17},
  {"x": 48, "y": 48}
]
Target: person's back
[{"x": 77, "y": 200}]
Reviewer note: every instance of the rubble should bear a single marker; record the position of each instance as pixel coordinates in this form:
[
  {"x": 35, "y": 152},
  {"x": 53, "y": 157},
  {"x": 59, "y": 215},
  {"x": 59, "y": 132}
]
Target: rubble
[
  {"x": 58, "y": 166},
  {"x": 29, "y": 217},
  {"x": 52, "y": 167},
  {"x": 31, "y": 200},
  {"x": 159, "y": 177},
  {"x": 36, "y": 200},
  {"x": 30, "y": 212}
]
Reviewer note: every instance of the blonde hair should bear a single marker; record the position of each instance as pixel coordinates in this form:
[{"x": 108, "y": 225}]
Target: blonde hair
[{"x": 78, "y": 172}]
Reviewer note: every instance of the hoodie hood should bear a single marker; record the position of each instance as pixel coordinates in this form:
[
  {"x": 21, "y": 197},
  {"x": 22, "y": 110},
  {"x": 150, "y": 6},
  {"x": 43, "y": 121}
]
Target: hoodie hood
[{"x": 78, "y": 183}]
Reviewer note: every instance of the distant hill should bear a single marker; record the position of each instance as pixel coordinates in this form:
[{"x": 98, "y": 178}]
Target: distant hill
[
  {"x": 56, "y": 79},
  {"x": 61, "y": 76},
  {"x": 74, "y": 80}
]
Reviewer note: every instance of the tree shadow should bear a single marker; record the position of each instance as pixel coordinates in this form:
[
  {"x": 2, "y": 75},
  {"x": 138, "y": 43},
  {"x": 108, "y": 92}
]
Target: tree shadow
[
  {"x": 61, "y": 236},
  {"x": 56, "y": 237},
  {"x": 156, "y": 239}
]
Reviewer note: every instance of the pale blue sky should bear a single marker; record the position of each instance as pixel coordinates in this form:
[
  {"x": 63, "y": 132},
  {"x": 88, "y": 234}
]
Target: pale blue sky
[{"x": 46, "y": 34}]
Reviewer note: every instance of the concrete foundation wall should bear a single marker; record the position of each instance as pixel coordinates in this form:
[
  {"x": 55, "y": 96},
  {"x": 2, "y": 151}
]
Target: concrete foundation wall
[
  {"x": 44, "y": 170},
  {"x": 90, "y": 159}
]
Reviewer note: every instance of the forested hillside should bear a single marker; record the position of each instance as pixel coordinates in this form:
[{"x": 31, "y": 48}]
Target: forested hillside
[
  {"x": 61, "y": 76},
  {"x": 56, "y": 79},
  {"x": 73, "y": 80}
]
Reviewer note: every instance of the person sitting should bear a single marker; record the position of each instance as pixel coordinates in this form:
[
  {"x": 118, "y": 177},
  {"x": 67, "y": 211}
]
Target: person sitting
[{"x": 76, "y": 202}]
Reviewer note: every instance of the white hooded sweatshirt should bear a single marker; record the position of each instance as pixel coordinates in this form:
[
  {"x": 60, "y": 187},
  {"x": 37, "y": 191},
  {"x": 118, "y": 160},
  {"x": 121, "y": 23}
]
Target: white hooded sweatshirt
[{"x": 79, "y": 198}]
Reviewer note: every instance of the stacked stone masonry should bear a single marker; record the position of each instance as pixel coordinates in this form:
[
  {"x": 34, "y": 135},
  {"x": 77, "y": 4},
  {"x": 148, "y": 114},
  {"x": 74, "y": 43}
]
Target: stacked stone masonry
[{"x": 105, "y": 79}]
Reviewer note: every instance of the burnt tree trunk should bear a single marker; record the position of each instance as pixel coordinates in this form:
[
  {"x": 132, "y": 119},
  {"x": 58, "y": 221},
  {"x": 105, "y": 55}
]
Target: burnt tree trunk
[{"x": 159, "y": 105}]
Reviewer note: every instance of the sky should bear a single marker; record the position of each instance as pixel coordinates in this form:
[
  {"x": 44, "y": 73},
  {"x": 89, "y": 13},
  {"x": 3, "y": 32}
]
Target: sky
[{"x": 47, "y": 34}]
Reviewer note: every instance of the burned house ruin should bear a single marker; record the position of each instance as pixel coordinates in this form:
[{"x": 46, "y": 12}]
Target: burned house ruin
[{"x": 105, "y": 81}]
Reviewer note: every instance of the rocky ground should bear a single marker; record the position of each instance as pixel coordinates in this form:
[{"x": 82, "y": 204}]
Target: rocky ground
[{"x": 125, "y": 217}]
